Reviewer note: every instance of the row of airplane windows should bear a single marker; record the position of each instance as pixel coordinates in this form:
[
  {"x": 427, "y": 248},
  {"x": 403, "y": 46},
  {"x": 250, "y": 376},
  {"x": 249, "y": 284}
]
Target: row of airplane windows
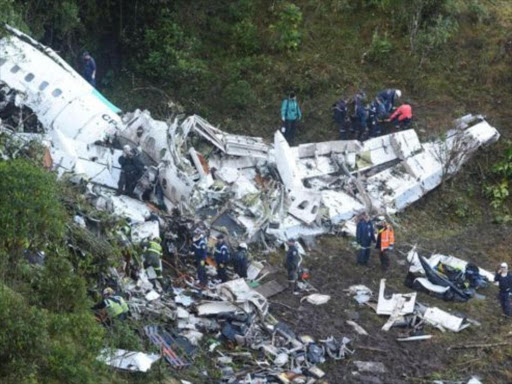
[{"x": 30, "y": 76}]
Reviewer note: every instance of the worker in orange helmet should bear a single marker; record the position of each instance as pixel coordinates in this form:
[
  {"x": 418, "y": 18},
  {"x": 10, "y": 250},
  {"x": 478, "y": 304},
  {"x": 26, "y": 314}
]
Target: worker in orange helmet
[{"x": 385, "y": 242}]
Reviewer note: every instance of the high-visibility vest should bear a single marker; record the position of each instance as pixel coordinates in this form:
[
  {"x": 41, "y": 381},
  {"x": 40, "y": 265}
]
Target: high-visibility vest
[
  {"x": 116, "y": 306},
  {"x": 155, "y": 247},
  {"x": 387, "y": 238}
]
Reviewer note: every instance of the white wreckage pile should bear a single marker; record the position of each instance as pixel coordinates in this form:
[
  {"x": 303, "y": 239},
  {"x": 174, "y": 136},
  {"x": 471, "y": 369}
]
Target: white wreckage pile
[
  {"x": 178, "y": 319},
  {"x": 406, "y": 313},
  {"x": 239, "y": 185}
]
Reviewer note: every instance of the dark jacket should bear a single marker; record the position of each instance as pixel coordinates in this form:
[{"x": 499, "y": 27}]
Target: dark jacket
[
  {"x": 505, "y": 283},
  {"x": 199, "y": 247},
  {"x": 240, "y": 262},
  {"x": 365, "y": 233},
  {"x": 339, "y": 110},
  {"x": 131, "y": 165},
  {"x": 221, "y": 254},
  {"x": 89, "y": 68},
  {"x": 388, "y": 98},
  {"x": 361, "y": 115},
  {"x": 292, "y": 259}
]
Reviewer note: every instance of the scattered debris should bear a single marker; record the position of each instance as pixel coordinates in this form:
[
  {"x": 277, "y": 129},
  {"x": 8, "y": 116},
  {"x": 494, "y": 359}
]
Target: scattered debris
[
  {"x": 370, "y": 366},
  {"x": 414, "y": 338},
  {"x": 316, "y": 299},
  {"x": 357, "y": 327},
  {"x": 362, "y": 294},
  {"x": 128, "y": 361}
]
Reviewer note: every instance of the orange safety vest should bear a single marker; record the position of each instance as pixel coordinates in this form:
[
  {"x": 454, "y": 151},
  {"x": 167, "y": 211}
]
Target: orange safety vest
[{"x": 387, "y": 238}]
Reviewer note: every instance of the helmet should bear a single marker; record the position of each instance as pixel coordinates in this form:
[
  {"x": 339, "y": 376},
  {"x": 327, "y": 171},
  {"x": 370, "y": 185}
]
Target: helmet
[
  {"x": 243, "y": 245},
  {"x": 127, "y": 149},
  {"x": 398, "y": 93},
  {"x": 220, "y": 237},
  {"x": 504, "y": 265},
  {"x": 108, "y": 291}
]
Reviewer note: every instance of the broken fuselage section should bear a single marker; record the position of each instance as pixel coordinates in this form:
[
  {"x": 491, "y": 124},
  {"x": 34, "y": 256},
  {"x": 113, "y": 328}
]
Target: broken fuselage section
[{"x": 240, "y": 185}]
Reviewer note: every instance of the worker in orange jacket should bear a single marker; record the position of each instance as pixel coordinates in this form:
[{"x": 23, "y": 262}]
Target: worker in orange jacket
[
  {"x": 385, "y": 243},
  {"x": 402, "y": 117}
]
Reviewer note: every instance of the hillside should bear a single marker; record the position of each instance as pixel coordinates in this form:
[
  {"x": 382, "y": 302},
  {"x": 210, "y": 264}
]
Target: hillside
[{"x": 232, "y": 62}]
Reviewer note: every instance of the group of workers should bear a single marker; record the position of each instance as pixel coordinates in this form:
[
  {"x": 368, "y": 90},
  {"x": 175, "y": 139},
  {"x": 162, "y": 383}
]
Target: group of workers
[
  {"x": 368, "y": 120},
  {"x": 221, "y": 255},
  {"x": 353, "y": 115},
  {"x": 384, "y": 238}
]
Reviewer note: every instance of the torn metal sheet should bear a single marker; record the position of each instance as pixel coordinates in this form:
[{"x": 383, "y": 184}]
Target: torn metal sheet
[
  {"x": 438, "y": 317},
  {"x": 414, "y": 338},
  {"x": 270, "y": 288},
  {"x": 370, "y": 366},
  {"x": 239, "y": 292},
  {"x": 404, "y": 302},
  {"x": 128, "y": 360}
]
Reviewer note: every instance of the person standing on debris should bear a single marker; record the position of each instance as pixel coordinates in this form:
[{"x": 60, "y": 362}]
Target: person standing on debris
[
  {"x": 365, "y": 236},
  {"x": 240, "y": 261},
  {"x": 116, "y": 306},
  {"x": 402, "y": 117},
  {"x": 385, "y": 243},
  {"x": 153, "y": 256},
  {"x": 89, "y": 69},
  {"x": 221, "y": 255},
  {"x": 504, "y": 280},
  {"x": 132, "y": 169},
  {"x": 292, "y": 264},
  {"x": 123, "y": 235},
  {"x": 339, "y": 110},
  {"x": 199, "y": 249},
  {"x": 389, "y": 97},
  {"x": 290, "y": 114}
]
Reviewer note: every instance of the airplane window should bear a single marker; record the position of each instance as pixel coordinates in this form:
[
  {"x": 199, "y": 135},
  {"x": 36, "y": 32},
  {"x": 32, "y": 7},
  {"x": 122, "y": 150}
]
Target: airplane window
[
  {"x": 43, "y": 85},
  {"x": 15, "y": 69},
  {"x": 29, "y": 77},
  {"x": 56, "y": 92},
  {"x": 3, "y": 61}
]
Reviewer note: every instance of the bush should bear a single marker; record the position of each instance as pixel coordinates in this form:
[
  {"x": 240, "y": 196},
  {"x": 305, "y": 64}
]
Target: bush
[
  {"x": 380, "y": 48},
  {"x": 286, "y": 32},
  {"x": 39, "y": 346},
  {"x": 433, "y": 37},
  {"x": 239, "y": 94},
  {"x": 170, "y": 55},
  {"x": 30, "y": 212}
]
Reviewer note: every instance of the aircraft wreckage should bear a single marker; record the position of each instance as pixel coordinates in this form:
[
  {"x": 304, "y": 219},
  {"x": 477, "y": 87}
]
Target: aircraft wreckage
[{"x": 240, "y": 185}]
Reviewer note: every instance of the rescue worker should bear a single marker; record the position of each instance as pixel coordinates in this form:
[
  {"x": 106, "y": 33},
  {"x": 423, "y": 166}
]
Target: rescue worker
[
  {"x": 385, "y": 243},
  {"x": 132, "y": 169},
  {"x": 377, "y": 115},
  {"x": 200, "y": 251},
  {"x": 89, "y": 69},
  {"x": 290, "y": 114},
  {"x": 365, "y": 236},
  {"x": 115, "y": 306},
  {"x": 240, "y": 261},
  {"x": 339, "y": 110},
  {"x": 505, "y": 283},
  {"x": 123, "y": 235},
  {"x": 292, "y": 264},
  {"x": 221, "y": 255},
  {"x": 389, "y": 97},
  {"x": 153, "y": 256},
  {"x": 402, "y": 117},
  {"x": 361, "y": 120}
]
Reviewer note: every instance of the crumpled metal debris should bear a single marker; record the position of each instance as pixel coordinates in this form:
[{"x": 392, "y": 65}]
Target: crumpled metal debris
[
  {"x": 128, "y": 360},
  {"x": 245, "y": 187}
]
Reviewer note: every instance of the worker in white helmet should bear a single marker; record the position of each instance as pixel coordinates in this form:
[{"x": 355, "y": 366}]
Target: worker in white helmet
[
  {"x": 504, "y": 280},
  {"x": 240, "y": 260}
]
